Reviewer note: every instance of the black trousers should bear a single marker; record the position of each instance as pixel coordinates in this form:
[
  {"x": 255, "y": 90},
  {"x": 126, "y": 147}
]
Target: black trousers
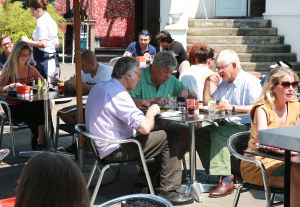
[{"x": 32, "y": 114}]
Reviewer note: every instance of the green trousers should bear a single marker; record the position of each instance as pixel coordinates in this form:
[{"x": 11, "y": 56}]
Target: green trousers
[{"x": 211, "y": 145}]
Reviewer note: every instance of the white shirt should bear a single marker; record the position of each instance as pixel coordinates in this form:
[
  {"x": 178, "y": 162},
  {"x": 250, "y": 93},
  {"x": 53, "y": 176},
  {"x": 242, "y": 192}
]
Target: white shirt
[
  {"x": 46, "y": 29},
  {"x": 194, "y": 77},
  {"x": 103, "y": 74}
]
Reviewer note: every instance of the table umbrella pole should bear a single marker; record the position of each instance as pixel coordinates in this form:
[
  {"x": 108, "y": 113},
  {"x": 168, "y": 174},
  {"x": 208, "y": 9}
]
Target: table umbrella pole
[{"x": 78, "y": 77}]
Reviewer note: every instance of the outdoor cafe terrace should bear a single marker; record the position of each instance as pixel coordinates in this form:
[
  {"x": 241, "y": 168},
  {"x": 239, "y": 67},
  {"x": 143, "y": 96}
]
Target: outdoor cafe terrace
[{"x": 122, "y": 183}]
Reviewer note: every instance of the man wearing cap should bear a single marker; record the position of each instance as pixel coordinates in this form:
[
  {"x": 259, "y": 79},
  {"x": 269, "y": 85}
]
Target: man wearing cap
[{"x": 142, "y": 47}]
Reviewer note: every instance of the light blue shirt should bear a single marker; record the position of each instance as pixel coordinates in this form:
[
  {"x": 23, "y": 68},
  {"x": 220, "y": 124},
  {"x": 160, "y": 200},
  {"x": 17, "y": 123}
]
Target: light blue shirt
[
  {"x": 111, "y": 113},
  {"x": 245, "y": 90}
]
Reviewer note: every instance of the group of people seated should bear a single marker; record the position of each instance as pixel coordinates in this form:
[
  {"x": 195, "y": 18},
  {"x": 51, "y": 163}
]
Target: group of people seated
[
  {"x": 116, "y": 96},
  {"x": 118, "y": 115}
]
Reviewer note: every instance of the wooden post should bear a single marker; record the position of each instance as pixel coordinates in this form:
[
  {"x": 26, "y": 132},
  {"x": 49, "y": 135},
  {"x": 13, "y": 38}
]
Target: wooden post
[{"x": 78, "y": 76}]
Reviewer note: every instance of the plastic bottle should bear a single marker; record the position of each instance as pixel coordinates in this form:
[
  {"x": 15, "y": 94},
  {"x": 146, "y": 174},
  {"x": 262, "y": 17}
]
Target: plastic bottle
[
  {"x": 45, "y": 87},
  {"x": 39, "y": 82},
  {"x": 39, "y": 86}
]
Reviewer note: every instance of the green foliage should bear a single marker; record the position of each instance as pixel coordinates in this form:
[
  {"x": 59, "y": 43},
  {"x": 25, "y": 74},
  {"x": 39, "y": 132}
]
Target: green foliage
[{"x": 16, "y": 21}]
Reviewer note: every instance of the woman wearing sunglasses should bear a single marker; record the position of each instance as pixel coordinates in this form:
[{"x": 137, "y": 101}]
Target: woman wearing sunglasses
[{"x": 277, "y": 107}]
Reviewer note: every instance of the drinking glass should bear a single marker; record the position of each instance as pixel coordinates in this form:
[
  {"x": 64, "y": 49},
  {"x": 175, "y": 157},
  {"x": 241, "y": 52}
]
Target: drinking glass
[
  {"x": 190, "y": 106},
  {"x": 61, "y": 88}
]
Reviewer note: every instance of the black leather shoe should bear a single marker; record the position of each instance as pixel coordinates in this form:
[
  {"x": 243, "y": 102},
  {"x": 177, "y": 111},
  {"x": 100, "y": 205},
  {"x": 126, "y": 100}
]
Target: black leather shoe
[{"x": 176, "y": 198}]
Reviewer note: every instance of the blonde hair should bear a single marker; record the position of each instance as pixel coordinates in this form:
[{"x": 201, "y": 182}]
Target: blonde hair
[
  {"x": 274, "y": 80},
  {"x": 226, "y": 57},
  {"x": 10, "y": 70}
]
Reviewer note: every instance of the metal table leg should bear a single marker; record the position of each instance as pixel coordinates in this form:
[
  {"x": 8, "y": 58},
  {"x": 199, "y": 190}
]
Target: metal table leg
[
  {"x": 287, "y": 175},
  {"x": 192, "y": 186}
]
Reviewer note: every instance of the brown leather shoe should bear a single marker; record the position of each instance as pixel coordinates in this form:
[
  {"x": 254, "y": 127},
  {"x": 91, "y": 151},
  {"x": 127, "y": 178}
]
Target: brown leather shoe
[{"x": 223, "y": 188}]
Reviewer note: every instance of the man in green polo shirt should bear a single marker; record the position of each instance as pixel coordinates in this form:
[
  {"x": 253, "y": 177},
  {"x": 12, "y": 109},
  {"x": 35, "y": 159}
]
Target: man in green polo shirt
[{"x": 157, "y": 82}]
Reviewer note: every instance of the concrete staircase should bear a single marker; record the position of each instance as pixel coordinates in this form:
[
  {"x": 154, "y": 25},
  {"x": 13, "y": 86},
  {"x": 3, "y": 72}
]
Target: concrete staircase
[{"x": 255, "y": 41}]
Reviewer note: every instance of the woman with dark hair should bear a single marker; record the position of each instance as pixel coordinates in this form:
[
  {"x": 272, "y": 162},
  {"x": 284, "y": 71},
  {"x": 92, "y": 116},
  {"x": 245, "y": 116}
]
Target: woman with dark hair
[
  {"x": 44, "y": 38},
  {"x": 277, "y": 107},
  {"x": 51, "y": 180},
  {"x": 201, "y": 58}
]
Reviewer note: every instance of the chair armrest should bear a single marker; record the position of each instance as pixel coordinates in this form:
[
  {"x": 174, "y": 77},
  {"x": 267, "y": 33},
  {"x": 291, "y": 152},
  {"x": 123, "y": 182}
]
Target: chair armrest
[
  {"x": 67, "y": 110},
  {"x": 264, "y": 154}
]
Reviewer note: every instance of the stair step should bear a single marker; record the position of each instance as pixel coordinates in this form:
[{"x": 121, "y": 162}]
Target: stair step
[
  {"x": 229, "y": 23},
  {"x": 251, "y": 48},
  {"x": 235, "y": 39},
  {"x": 267, "y": 57},
  {"x": 232, "y": 31},
  {"x": 264, "y": 67}
]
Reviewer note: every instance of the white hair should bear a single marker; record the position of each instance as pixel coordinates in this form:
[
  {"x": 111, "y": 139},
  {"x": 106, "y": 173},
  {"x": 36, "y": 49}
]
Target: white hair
[{"x": 226, "y": 57}]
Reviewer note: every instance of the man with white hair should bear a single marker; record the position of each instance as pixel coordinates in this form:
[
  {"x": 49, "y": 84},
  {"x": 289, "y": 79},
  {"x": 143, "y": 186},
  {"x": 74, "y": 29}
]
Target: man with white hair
[{"x": 236, "y": 91}]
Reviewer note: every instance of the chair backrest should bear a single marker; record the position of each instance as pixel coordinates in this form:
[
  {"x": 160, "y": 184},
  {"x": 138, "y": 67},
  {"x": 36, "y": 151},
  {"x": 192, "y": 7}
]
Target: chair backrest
[
  {"x": 238, "y": 142},
  {"x": 138, "y": 200},
  {"x": 80, "y": 128},
  {"x": 114, "y": 60},
  {"x": 236, "y": 145},
  {"x": 6, "y": 110}
]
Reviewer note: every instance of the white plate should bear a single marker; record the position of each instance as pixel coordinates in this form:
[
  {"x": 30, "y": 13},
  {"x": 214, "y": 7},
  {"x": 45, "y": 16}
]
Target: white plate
[
  {"x": 59, "y": 100},
  {"x": 170, "y": 113}
]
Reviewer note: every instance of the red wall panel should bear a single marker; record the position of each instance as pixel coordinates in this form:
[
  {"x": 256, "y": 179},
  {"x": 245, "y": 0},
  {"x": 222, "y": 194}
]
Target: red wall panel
[{"x": 115, "y": 20}]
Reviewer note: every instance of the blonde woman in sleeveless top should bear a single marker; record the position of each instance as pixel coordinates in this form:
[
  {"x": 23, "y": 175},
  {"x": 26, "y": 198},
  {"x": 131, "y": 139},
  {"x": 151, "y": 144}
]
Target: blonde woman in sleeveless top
[
  {"x": 17, "y": 71},
  {"x": 277, "y": 107}
]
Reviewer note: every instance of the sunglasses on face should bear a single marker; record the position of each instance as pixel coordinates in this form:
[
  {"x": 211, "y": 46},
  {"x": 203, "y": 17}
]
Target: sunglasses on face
[{"x": 287, "y": 84}]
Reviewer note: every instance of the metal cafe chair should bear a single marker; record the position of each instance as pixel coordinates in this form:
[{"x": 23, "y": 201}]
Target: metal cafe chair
[
  {"x": 138, "y": 200},
  {"x": 114, "y": 59},
  {"x": 102, "y": 166},
  {"x": 69, "y": 128},
  {"x": 13, "y": 125},
  {"x": 237, "y": 144}
]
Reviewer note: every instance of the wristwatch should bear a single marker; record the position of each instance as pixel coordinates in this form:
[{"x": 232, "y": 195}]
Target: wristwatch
[{"x": 233, "y": 108}]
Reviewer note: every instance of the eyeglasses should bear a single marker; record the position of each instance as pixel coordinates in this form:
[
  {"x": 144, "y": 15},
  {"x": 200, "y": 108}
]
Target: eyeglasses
[
  {"x": 223, "y": 67},
  {"x": 8, "y": 43},
  {"x": 287, "y": 84}
]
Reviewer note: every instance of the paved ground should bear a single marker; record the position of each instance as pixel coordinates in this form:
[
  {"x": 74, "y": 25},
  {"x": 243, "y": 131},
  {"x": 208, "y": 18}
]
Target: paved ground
[{"x": 11, "y": 168}]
